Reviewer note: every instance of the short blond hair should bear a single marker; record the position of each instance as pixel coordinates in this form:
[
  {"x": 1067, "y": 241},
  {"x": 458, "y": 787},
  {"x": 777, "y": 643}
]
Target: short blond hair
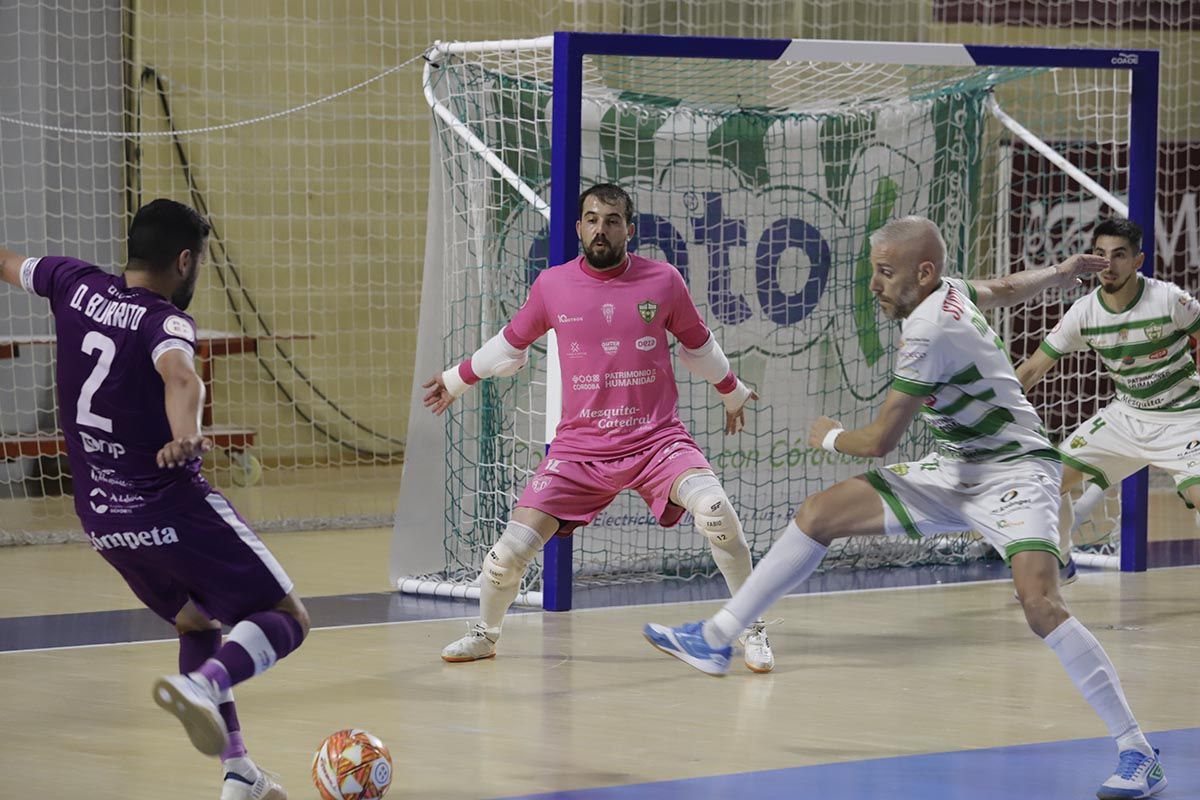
[{"x": 906, "y": 229}]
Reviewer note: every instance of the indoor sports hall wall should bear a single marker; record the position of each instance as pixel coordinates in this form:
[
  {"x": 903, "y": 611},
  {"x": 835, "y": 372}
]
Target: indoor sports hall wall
[{"x": 320, "y": 213}]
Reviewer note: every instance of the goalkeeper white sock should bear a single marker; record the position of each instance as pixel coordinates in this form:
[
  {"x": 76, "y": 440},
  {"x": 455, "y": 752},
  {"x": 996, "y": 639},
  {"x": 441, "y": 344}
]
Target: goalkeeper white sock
[{"x": 503, "y": 569}]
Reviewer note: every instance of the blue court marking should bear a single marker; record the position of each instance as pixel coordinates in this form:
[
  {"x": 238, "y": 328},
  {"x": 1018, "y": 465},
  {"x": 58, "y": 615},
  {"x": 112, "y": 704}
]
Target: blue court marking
[{"x": 1052, "y": 771}]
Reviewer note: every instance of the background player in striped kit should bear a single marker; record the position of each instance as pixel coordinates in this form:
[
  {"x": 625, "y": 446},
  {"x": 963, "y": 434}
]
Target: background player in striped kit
[{"x": 1138, "y": 327}]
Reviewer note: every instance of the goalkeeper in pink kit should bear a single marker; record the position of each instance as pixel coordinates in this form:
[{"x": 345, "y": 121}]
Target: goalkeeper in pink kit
[{"x": 620, "y": 428}]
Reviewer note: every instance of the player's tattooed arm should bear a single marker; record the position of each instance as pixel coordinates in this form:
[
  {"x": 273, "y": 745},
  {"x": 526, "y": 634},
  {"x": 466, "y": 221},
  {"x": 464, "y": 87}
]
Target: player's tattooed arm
[
  {"x": 1021, "y": 286},
  {"x": 10, "y": 266},
  {"x": 878, "y": 438},
  {"x": 183, "y": 392}
]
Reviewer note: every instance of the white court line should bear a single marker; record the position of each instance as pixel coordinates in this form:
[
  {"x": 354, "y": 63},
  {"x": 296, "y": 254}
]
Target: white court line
[{"x": 915, "y": 587}]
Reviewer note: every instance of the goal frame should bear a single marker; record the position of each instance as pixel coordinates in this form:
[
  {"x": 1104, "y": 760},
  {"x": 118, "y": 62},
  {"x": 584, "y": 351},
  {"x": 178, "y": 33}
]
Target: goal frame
[{"x": 570, "y": 49}]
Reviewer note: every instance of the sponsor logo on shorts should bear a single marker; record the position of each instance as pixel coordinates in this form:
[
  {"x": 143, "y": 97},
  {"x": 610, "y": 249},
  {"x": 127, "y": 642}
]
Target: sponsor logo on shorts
[
  {"x": 608, "y": 309},
  {"x": 132, "y": 540},
  {"x": 541, "y": 482},
  {"x": 1077, "y": 442},
  {"x": 552, "y": 465},
  {"x": 611, "y": 346},
  {"x": 1011, "y": 501},
  {"x": 108, "y": 476},
  {"x": 899, "y": 469},
  {"x": 646, "y": 343},
  {"x": 93, "y": 445},
  {"x": 114, "y": 503},
  {"x": 1009, "y": 523}
]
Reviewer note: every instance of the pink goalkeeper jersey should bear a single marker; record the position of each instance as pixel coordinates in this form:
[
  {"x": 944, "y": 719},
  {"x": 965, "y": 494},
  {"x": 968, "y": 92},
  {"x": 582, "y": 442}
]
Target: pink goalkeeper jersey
[{"x": 619, "y": 394}]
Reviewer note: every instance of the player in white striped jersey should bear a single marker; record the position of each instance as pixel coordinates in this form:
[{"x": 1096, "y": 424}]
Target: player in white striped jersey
[
  {"x": 994, "y": 471},
  {"x": 1139, "y": 328}
]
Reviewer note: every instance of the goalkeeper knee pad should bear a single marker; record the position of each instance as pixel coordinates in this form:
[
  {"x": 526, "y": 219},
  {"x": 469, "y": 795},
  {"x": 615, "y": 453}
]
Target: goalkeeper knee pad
[
  {"x": 702, "y": 495},
  {"x": 509, "y": 557}
]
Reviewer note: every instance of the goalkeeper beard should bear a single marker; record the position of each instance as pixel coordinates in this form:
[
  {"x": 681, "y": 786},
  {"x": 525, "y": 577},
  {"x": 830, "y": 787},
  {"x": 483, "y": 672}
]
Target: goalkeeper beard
[{"x": 605, "y": 256}]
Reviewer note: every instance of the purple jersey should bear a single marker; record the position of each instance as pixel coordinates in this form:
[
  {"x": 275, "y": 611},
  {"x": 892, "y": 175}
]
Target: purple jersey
[{"x": 110, "y": 396}]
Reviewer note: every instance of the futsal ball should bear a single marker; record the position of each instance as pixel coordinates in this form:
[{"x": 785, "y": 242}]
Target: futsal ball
[{"x": 352, "y": 765}]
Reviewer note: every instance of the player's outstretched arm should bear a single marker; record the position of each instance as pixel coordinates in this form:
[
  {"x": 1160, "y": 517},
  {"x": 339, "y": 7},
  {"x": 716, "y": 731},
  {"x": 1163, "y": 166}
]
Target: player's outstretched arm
[
  {"x": 1034, "y": 368},
  {"x": 875, "y": 440},
  {"x": 183, "y": 392},
  {"x": 1021, "y": 286},
  {"x": 497, "y": 357},
  {"x": 10, "y": 266},
  {"x": 709, "y": 362}
]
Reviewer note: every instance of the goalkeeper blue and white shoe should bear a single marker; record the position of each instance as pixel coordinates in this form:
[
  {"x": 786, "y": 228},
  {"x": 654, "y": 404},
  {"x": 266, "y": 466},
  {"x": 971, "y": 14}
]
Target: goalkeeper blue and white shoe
[
  {"x": 688, "y": 645},
  {"x": 1138, "y": 775}
]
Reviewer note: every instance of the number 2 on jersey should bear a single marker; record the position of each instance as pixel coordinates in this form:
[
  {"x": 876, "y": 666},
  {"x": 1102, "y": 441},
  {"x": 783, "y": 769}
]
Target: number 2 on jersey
[{"x": 83, "y": 409}]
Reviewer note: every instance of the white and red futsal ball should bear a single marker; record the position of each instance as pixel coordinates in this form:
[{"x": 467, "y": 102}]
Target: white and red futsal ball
[{"x": 352, "y": 764}]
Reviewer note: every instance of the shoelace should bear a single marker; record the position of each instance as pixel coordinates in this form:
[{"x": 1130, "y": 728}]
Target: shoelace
[
  {"x": 1131, "y": 761},
  {"x": 760, "y": 627}
]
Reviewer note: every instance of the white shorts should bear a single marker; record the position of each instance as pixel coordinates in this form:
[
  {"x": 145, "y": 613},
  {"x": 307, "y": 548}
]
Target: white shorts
[
  {"x": 1014, "y": 507},
  {"x": 1114, "y": 444}
]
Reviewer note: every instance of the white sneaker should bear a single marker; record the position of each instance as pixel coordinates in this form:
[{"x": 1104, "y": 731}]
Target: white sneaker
[
  {"x": 1138, "y": 775},
  {"x": 756, "y": 648},
  {"x": 193, "y": 699},
  {"x": 479, "y": 643},
  {"x": 244, "y": 780}
]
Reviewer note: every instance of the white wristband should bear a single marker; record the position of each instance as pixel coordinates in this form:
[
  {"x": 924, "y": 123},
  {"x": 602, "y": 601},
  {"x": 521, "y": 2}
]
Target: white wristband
[
  {"x": 736, "y": 398},
  {"x": 455, "y": 385},
  {"x": 830, "y": 441}
]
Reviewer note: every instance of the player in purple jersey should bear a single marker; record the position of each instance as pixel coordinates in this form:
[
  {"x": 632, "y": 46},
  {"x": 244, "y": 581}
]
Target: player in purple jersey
[
  {"x": 130, "y": 403},
  {"x": 614, "y": 313}
]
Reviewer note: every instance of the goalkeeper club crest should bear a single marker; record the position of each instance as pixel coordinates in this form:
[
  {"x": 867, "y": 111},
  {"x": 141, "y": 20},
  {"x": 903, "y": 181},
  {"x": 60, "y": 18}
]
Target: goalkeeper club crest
[
  {"x": 607, "y": 310},
  {"x": 647, "y": 310}
]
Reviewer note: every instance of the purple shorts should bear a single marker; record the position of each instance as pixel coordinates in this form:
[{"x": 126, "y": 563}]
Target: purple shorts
[
  {"x": 200, "y": 551},
  {"x": 577, "y": 491}
]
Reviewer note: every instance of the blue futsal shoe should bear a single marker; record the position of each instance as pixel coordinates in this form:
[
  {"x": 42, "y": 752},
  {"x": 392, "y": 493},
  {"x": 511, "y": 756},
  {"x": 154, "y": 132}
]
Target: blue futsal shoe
[
  {"x": 1069, "y": 573},
  {"x": 688, "y": 645},
  {"x": 1138, "y": 775}
]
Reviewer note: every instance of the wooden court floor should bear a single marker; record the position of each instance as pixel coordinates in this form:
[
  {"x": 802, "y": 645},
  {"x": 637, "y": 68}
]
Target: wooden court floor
[{"x": 578, "y": 700}]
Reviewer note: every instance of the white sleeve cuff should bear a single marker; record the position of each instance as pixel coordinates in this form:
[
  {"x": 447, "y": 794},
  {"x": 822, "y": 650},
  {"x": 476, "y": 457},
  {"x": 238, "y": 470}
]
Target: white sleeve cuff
[
  {"x": 455, "y": 385},
  {"x": 830, "y": 441},
  {"x": 708, "y": 361},
  {"x": 172, "y": 344},
  {"x": 737, "y": 398},
  {"x": 27, "y": 268}
]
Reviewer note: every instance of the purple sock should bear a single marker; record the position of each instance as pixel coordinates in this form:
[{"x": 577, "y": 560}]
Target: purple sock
[
  {"x": 196, "y": 647},
  {"x": 253, "y": 646},
  {"x": 236, "y": 747}
]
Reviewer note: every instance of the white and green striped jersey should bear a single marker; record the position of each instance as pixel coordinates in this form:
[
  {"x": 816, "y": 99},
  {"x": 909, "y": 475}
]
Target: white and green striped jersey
[
  {"x": 1144, "y": 348},
  {"x": 975, "y": 407}
]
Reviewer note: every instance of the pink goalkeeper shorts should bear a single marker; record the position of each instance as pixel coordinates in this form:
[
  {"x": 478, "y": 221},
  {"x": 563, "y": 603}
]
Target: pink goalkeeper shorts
[{"x": 577, "y": 491}]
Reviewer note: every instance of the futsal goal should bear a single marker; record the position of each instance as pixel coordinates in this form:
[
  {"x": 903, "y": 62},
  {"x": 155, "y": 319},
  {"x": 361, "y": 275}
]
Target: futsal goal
[{"x": 759, "y": 168}]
